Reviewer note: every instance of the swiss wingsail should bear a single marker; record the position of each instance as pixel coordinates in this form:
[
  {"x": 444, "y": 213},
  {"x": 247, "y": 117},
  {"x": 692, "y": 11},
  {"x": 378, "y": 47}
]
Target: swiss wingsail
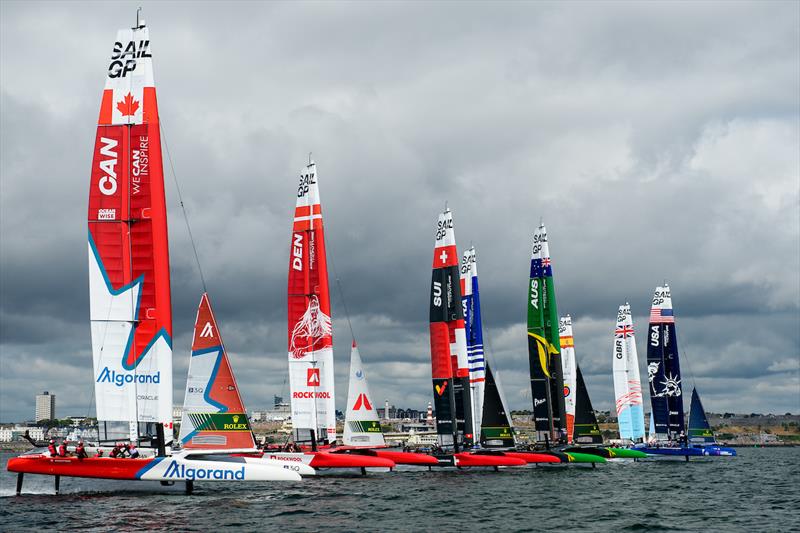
[
  {"x": 699, "y": 428},
  {"x": 547, "y": 381},
  {"x": 587, "y": 431},
  {"x": 214, "y": 416},
  {"x": 449, "y": 366},
  {"x": 568, "y": 365},
  {"x": 310, "y": 336},
  {"x": 663, "y": 368},
  {"x": 627, "y": 384},
  {"x": 129, "y": 285},
  {"x": 362, "y": 427}
]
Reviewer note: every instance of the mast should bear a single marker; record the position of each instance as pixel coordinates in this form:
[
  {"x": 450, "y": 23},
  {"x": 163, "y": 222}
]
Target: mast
[
  {"x": 214, "y": 416},
  {"x": 310, "y": 335},
  {"x": 568, "y": 366},
  {"x": 663, "y": 367},
  {"x": 449, "y": 367},
  {"x": 547, "y": 382},
  {"x": 362, "y": 427},
  {"x": 627, "y": 384},
  {"x": 129, "y": 283}
]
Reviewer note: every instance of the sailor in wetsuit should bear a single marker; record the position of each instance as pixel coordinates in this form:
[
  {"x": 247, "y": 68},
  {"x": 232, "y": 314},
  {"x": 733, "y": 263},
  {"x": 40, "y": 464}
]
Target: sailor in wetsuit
[
  {"x": 62, "y": 449},
  {"x": 80, "y": 451},
  {"x": 52, "y": 448},
  {"x": 683, "y": 441}
]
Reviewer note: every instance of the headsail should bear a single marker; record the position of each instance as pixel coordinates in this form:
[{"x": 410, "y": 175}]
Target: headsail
[
  {"x": 129, "y": 285},
  {"x": 362, "y": 427},
  {"x": 587, "y": 431},
  {"x": 568, "y": 365},
  {"x": 547, "y": 381},
  {"x": 449, "y": 367},
  {"x": 310, "y": 337},
  {"x": 496, "y": 429},
  {"x": 214, "y": 416},
  {"x": 663, "y": 367},
  {"x": 627, "y": 385},
  {"x": 471, "y": 301},
  {"x": 699, "y": 428}
]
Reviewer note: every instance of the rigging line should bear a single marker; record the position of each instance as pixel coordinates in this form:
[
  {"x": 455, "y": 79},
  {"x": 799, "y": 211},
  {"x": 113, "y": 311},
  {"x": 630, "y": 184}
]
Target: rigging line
[{"x": 183, "y": 207}]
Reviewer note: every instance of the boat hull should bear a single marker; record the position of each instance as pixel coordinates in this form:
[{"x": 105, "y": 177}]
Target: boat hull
[
  {"x": 327, "y": 459},
  {"x": 533, "y": 457},
  {"x": 151, "y": 468},
  {"x": 694, "y": 451},
  {"x": 466, "y": 459},
  {"x": 400, "y": 458}
]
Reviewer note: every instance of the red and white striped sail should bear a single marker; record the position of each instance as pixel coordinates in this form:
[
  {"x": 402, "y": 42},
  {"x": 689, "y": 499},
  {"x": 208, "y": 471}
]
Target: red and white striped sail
[
  {"x": 362, "y": 427},
  {"x": 129, "y": 286},
  {"x": 214, "y": 416},
  {"x": 310, "y": 336}
]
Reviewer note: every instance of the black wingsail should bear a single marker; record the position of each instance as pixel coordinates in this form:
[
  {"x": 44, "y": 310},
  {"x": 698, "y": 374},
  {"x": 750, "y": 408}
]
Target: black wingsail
[{"x": 496, "y": 431}]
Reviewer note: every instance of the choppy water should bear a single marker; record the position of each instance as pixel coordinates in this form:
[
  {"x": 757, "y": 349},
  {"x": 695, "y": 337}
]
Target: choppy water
[{"x": 757, "y": 491}]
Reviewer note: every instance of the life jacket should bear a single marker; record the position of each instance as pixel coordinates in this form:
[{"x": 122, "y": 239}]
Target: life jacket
[
  {"x": 52, "y": 449},
  {"x": 62, "y": 450}
]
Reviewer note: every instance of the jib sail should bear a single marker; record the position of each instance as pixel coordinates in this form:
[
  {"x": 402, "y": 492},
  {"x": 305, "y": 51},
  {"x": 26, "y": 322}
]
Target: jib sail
[
  {"x": 310, "y": 336},
  {"x": 587, "y": 431},
  {"x": 214, "y": 416},
  {"x": 129, "y": 284},
  {"x": 699, "y": 428}
]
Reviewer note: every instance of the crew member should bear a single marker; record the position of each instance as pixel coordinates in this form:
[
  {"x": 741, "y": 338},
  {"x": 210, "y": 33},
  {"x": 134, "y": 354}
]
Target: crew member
[
  {"x": 99, "y": 452},
  {"x": 80, "y": 451},
  {"x": 62, "y": 449},
  {"x": 132, "y": 451},
  {"x": 116, "y": 451},
  {"x": 52, "y": 448},
  {"x": 683, "y": 440}
]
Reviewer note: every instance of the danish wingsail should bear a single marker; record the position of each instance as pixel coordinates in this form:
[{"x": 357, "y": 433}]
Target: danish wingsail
[
  {"x": 663, "y": 368},
  {"x": 547, "y": 381},
  {"x": 449, "y": 367},
  {"x": 310, "y": 339},
  {"x": 699, "y": 428},
  {"x": 568, "y": 365},
  {"x": 362, "y": 427},
  {"x": 129, "y": 284},
  {"x": 214, "y": 416},
  {"x": 627, "y": 384}
]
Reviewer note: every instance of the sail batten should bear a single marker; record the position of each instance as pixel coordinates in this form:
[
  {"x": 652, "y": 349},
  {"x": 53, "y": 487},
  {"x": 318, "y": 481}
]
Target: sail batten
[
  {"x": 129, "y": 285},
  {"x": 310, "y": 335}
]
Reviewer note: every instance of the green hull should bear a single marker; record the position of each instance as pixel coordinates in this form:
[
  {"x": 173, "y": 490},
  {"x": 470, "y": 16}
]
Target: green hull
[
  {"x": 626, "y": 453},
  {"x": 585, "y": 458}
]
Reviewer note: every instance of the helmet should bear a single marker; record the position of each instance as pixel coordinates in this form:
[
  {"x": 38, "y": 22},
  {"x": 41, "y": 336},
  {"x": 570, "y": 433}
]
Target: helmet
[
  {"x": 52, "y": 441},
  {"x": 133, "y": 446},
  {"x": 80, "y": 442}
]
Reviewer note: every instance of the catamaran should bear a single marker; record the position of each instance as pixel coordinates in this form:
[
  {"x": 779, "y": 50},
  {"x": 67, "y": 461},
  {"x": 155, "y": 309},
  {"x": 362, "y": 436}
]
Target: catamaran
[
  {"x": 310, "y": 338},
  {"x": 449, "y": 361},
  {"x": 666, "y": 391},
  {"x": 129, "y": 289}
]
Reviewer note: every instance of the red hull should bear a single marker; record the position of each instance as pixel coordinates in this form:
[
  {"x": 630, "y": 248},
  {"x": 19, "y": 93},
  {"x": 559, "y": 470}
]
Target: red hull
[
  {"x": 97, "y": 467},
  {"x": 400, "y": 458},
  {"x": 348, "y": 460},
  {"x": 471, "y": 459},
  {"x": 531, "y": 457}
]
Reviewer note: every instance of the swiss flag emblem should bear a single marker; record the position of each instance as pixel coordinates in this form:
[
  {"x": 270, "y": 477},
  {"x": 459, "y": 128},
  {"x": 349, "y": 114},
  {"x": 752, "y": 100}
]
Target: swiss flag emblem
[{"x": 312, "y": 378}]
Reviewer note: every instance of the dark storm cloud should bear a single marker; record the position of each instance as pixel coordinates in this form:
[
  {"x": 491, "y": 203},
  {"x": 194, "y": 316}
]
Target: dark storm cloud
[{"x": 657, "y": 141}]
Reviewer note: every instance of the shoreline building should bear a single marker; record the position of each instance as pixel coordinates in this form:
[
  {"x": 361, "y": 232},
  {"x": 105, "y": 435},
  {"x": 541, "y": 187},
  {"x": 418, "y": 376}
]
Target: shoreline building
[{"x": 45, "y": 406}]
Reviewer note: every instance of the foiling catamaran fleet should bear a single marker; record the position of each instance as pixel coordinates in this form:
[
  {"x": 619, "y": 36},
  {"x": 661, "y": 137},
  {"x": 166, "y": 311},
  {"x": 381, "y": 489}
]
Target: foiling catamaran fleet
[{"x": 131, "y": 329}]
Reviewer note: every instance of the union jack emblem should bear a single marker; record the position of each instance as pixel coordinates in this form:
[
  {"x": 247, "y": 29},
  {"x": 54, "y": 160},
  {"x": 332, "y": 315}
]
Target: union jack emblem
[
  {"x": 624, "y": 332},
  {"x": 546, "y": 262}
]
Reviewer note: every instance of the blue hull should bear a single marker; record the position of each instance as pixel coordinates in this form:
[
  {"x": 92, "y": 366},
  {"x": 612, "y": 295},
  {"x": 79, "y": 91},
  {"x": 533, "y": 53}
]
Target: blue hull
[{"x": 692, "y": 451}]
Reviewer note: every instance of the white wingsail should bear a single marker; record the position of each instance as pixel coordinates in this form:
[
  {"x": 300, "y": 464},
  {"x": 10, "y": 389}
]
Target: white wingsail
[
  {"x": 627, "y": 384},
  {"x": 568, "y": 366},
  {"x": 362, "y": 426}
]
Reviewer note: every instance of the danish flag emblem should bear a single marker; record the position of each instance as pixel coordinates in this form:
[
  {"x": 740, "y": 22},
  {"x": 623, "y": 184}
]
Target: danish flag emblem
[
  {"x": 362, "y": 401},
  {"x": 312, "y": 378}
]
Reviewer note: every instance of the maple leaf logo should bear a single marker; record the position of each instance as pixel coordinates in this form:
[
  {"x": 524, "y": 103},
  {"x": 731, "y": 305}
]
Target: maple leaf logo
[{"x": 128, "y": 106}]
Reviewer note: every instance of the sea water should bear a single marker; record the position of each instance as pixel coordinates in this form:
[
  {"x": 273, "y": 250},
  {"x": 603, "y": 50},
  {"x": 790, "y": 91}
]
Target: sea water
[{"x": 757, "y": 491}]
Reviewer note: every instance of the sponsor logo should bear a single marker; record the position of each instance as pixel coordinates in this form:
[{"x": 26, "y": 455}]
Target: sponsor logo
[
  {"x": 208, "y": 330},
  {"x": 235, "y": 426},
  {"x": 140, "y": 161},
  {"x": 566, "y": 391},
  {"x": 312, "y": 377},
  {"x": 442, "y": 226},
  {"x": 660, "y": 296},
  {"x": 108, "y": 183},
  {"x": 545, "y": 350},
  {"x": 306, "y": 180},
  {"x": 180, "y": 471},
  {"x": 121, "y": 378},
  {"x": 437, "y": 294},
  {"x": 285, "y": 458},
  {"x": 311, "y": 331},
  {"x": 106, "y": 214},
  {"x": 196, "y": 390},
  {"x": 324, "y": 395},
  {"x": 359, "y": 375},
  {"x": 538, "y": 401},
  {"x": 297, "y": 252},
  {"x": 123, "y": 57},
  {"x": 440, "y": 388},
  {"x": 362, "y": 402}
]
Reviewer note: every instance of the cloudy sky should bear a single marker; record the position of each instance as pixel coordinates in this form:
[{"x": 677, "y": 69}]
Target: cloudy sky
[{"x": 657, "y": 140}]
